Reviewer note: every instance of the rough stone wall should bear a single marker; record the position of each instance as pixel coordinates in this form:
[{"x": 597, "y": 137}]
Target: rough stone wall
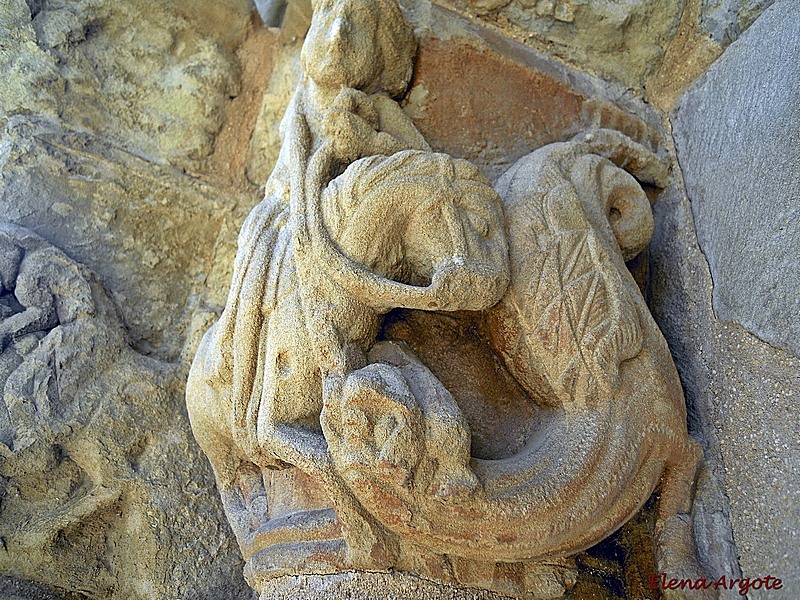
[
  {"x": 113, "y": 149},
  {"x": 137, "y": 135}
]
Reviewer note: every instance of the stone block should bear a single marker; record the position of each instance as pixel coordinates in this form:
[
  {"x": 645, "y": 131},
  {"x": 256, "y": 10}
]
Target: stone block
[
  {"x": 620, "y": 41},
  {"x": 738, "y": 140},
  {"x": 150, "y": 232},
  {"x": 483, "y": 97},
  {"x": 737, "y": 132}
]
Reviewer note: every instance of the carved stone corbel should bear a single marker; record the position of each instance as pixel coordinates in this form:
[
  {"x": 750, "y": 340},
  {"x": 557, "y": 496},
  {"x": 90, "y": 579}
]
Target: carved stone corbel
[{"x": 336, "y": 446}]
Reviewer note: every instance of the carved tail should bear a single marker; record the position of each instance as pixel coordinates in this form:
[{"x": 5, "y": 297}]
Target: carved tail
[
  {"x": 616, "y": 417},
  {"x": 635, "y": 158},
  {"x": 582, "y": 476}
]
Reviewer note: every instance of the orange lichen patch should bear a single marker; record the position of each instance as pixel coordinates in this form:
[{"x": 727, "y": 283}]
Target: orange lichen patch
[{"x": 227, "y": 165}]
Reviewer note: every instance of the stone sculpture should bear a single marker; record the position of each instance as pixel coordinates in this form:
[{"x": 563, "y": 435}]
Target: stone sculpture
[
  {"x": 44, "y": 283},
  {"x": 47, "y": 302},
  {"x": 87, "y": 490},
  {"x": 337, "y": 444}
]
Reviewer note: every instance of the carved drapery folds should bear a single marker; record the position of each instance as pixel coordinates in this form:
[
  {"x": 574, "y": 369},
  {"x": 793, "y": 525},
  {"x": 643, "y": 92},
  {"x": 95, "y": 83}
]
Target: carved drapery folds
[{"x": 339, "y": 443}]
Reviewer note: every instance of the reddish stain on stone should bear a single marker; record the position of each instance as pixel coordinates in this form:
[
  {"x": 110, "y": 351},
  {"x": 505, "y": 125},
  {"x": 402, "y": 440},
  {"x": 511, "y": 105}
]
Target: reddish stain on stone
[
  {"x": 474, "y": 102},
  {"x": 480, "y": 103}
]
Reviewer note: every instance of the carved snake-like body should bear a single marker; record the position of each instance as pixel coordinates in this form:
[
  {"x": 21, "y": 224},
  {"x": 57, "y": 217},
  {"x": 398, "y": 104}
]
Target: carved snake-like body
[
  {"x": 571, "y": 328},
  {"x": 574, "y": 331}
]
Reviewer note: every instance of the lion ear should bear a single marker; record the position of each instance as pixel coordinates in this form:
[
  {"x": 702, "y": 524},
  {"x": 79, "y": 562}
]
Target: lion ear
[{"x": 639, "y": 161}]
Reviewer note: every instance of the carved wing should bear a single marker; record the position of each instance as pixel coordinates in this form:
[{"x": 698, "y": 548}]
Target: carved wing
[{"x": 577, "y": 319}]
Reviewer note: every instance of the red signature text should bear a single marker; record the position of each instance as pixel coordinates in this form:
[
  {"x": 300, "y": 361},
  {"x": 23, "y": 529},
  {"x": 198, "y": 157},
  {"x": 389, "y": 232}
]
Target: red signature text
[{"x": 659, "y": 581}]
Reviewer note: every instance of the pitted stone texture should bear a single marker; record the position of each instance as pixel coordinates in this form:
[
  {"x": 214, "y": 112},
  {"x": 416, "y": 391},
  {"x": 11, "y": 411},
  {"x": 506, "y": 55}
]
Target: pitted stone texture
[
  {"x": 368, "y": 586},
  {"x": 154, "y": 80},
  {"x": 725, "y": 20},
  {"x": 738, "y": 137},
  {"x": 150, "y": 232}
]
